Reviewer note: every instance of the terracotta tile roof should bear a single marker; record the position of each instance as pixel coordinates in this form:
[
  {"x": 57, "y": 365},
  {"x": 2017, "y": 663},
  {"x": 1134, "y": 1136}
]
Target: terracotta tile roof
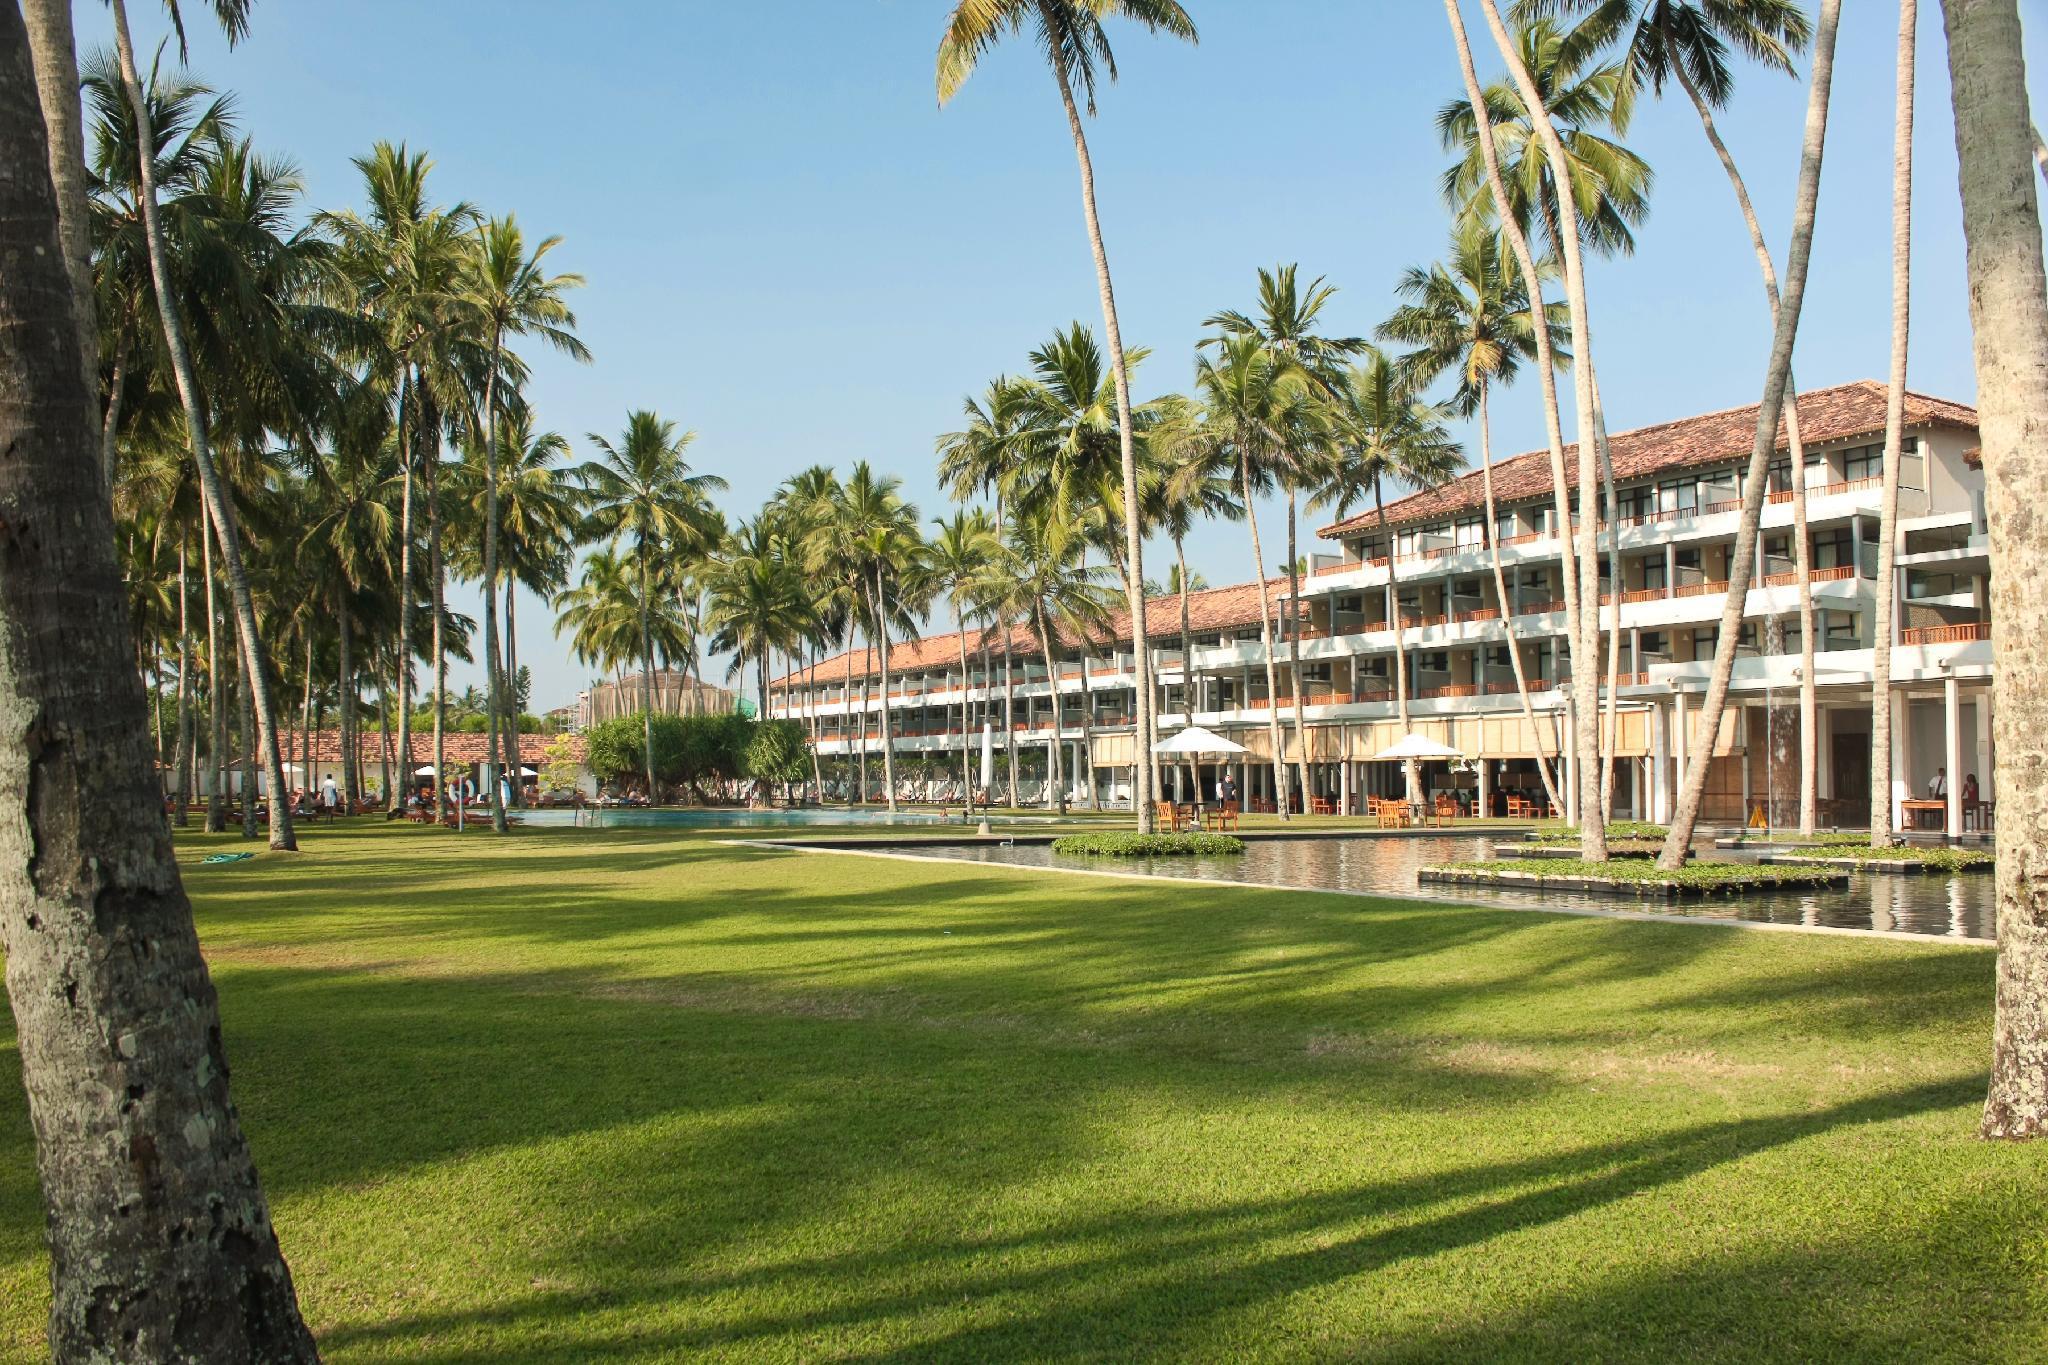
[
  {"x": 1210, "y": 609},
  {"x": 1840, "y": 413}
]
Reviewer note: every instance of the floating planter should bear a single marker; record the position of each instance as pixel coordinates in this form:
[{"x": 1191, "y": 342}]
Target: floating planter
[
  {"x": 1148, "y": 845},
  {"x": 1901, "y": 858},
  {"x": 1636, "y": 877}
]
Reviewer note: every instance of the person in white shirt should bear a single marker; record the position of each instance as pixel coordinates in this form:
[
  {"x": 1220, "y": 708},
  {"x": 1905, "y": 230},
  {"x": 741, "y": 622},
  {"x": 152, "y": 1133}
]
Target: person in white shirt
[
  {"x": 330, "y": 797},
  {"x": 1939, "y": 786}
]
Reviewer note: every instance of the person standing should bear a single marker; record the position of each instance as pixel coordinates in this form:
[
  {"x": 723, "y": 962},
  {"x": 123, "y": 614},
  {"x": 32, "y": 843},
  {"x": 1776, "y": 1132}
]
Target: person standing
[
  {"x": 330, "y": 795},
  {"x": 1938, "y": 787}
]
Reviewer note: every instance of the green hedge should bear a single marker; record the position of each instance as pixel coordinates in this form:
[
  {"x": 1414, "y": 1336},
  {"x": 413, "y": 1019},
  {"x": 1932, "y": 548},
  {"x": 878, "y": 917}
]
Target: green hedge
[
  {"x": 1946, "y": 859},
  {"x": 1148, "y": 845},
  {"x": 1616, "y": 830},
  {"x": 1720, "y": 877}
]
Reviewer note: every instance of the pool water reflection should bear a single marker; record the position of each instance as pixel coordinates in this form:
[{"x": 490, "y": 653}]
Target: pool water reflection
[{"x": 1955, "y": 907}]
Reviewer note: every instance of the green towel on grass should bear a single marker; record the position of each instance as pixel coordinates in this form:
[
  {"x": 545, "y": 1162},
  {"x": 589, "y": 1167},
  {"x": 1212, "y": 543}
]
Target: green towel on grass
[{"x": 226, "y": 857}]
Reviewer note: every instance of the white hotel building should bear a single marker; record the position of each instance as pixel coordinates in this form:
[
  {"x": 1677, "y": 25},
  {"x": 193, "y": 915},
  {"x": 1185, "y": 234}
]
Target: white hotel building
[{"x": 1664, "y": 574}]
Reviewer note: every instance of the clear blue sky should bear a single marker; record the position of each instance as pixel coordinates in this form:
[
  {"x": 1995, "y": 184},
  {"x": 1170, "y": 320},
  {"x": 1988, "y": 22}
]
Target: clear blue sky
[{"x": 793, "y": 251}]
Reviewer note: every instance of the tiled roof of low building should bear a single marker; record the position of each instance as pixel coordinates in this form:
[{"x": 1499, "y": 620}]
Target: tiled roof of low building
[
  {"x": 1209, "y": 609},
  {"x": 1825, "y": 415},
  {"x": 461, "y": 748}
]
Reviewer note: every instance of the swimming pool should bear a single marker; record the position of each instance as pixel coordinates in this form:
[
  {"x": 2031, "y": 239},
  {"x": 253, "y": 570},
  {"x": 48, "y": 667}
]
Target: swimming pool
[{"x": 1961, "y": 906}]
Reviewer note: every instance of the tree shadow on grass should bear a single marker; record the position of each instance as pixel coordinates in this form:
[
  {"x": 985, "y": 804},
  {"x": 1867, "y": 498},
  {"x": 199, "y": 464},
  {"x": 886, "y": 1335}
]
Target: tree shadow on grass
[{"x": 1137, "y": 1283}]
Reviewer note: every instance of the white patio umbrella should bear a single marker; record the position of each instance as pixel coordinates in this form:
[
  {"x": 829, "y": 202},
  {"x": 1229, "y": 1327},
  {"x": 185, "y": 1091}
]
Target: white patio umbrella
[
  {"x": 1417, "y": 746},
  {"x": 424, "y": 770},
  {"x": 1196, "y": 740},
  {"x": 528, "y": 772}
]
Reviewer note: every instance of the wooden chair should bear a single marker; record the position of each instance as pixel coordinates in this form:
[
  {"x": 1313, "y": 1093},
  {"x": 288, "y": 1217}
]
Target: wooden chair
[
  {"x": 1222, "y": 817},
  {"x": 1519, "y": 809},
  {"x": 1166, "y": 815},
  {"x": 1446, "y": 811},
  {"x": 1322, "y": 805}
]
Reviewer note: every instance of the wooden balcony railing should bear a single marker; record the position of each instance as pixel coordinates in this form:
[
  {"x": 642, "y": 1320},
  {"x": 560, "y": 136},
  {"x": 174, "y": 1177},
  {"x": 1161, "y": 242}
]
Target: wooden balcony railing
[
  {"x": 1540, "y": 608},
  {"x": 1476, "y": 614},
  {"x": 1946, "y": 635},
  {"x": 1526, "y": 538},
  {"x": 1642, "y": 595},
  {"x": 1828, "y": 490},
  {"x": 1498, "y": 689},
  {"x": 1700, "y": 589},
  {"x": 1449, "y": 690}
]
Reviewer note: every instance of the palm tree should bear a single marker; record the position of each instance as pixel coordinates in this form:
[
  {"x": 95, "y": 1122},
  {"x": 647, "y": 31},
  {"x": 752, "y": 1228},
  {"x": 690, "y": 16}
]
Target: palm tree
[
  {"x": 642, "y": 489},
  {"x": 1070, "y": 34},
  {"x": 1195, "y": 482},
  {"x": 1467, "y": 316},
  {"x": 510, "y": 295},
  {"x": 872, "y": 531},
  {"x": 759, "y": 602},
  {"x": 2009, "y": 319},
  {"x": 1689, "y": 42},
  {"x": 1694, "y": 785},
  {"x": 985, "y": 456},
  {"x": 1253, "y": 410},
  {"x": 1047, "y": 580},
  {"x": 220, "y": 510},
  {"x": 1286, "y": 325},
  {"x": 958, "y": 556},
  {"x": 1894, "y": 440},
  {"x": 407, "y": 269},
  {"x": 1383, "y": 433}
]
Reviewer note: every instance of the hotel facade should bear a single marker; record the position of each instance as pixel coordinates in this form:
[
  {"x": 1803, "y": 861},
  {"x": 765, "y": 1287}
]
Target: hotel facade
[{"x": 1429, "y": 574}]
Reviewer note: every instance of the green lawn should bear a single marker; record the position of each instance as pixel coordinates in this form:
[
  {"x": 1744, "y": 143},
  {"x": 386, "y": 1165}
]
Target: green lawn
[{"x": 583, "y": 1093}]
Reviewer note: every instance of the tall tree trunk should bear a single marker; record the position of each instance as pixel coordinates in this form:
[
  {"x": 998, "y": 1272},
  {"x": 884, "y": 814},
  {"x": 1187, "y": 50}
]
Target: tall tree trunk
[
  {"x": 2009, "y": 321},
  {"x": 110, "y": 425},
  {"x": 1281, "y": 801},
  {"x": 384, "y": 727},
  {"x": 399, "y": 788},
  {"x": 1056, "y": 787},
  {"x": 182, "y": 816},
  {"x": 160, "y": 1239},
  {"x": 55, "y": 56},
  {"x": 1586, "y": 663},
  {"x": 437, "y": 599},
  {"x": 1133, "y": 531},
  {"x": 1411, "y": 778},
  {"x": 217, "y": 502},
  {"x": 1010, "y": 714},
  {"x": 1088, "y": 732},
  {"x": 1507, "y": 603},
  {"x": 1190, "y": 703},
  {"x": 1546, "y": 367},
  {"x": 1803, "y": 559},
  {"x": 647, "y": 664},
  {"x": 1700, "y": 753},
  {"x": 1293, "y": 625},
  {"x": 345, "y": 647},
  {"x": 252, "y": 824},
  {"x": 867, "y": 668},
  {"x": 216, "y": 701},
  {"x": 1882, "y": 625},
  {"x": 966, "y": 706},
  {"x": 514, "y": 707},
  {"x": 881, "y": 609},
  {"x": 494, "y": 687}
]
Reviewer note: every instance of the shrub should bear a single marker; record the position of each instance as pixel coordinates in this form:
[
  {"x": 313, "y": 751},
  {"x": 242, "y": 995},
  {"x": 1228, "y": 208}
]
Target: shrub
[
  {"x": 1945, "y": 859},
  {"x": 1616, "y": 830},
  {"x": 1148, "y": 845},
  {"x": 1717, "y": 877}
]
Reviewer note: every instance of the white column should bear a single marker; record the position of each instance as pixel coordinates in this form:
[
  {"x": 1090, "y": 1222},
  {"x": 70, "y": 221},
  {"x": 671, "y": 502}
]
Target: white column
[
  {"x": 1900, "y": 712},
  {"x": 1952, "y": 732},
  {"x": 1660, "y": 763},
  {"x": 1670, "y": 568},
  {"x": 1681, "y": 736},
  {"x": 1344, "y": 786},
  {"x": 1485, "y": 786}
]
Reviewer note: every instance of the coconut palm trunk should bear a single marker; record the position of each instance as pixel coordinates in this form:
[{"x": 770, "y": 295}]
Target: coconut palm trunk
[
  {"x": 1699, "y": 753},
  {"x": 437, "y": 599},
  {"x": 1411, "y": 777},
  {"x": 252, "y": 824},
  {"x": 1808, "y": 707},
  {"x": 55, "y": 57},
  {"x": 647, "y": 665},
  {"x": 181, "y": 815},
  {"x": 158, "y": 1231},
  {"x": 1088, "y": 734},
  {"x": 219, "y": 507},
  {"x": 1133, "y": 564},
  {"x": 1190, "y": 703},
  {"x": 216, "y": 698},
  {"x": 1293, "y": 628},
  {"x": 345, "y": 647},
  {"x": 1010, "y": 714},
  {"x": 881, "y": 610},
  {"x": 1586, "y": 663},
  {"x": 1280, "y": 797},
  {"x": 1056, "y": 787},
  {"x": 515, "y": 711},
  {"x": 1532, "y": 284},
  {"x": 404, "y": 660},
  {"x": 494, "y": 684},
  {"x": 966, "y": 703},
  {"x": 1882, "y": 625},
  {"x": 2009, "y": 321},
  {"x": 1507, "y": 604}
]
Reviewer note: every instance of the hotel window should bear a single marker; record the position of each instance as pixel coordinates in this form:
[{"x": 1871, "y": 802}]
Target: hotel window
[
  {"x": 1436, "y": 661},
  {"x": 1864, "y": 462},
  {"x": 1353, "y": 603},
  {"x": 1638, "y": 501},
  {"x": 1681, "y": 496},
  {"x": 1838, "y": 630},
  {"x": 1507, "y": 526},
  {"x": 1704, "y": 641},
  {"x": 1316, "y": 672},
  {"x": 1653, "y": 642},
  {"x": 1653, "y": 572},
  {"x": 1470, "y": 532},
  {"x": 1497, "y": 657},
  {"x": 1722, "y": 485},
  {"x": 1832, "y": 549}
]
